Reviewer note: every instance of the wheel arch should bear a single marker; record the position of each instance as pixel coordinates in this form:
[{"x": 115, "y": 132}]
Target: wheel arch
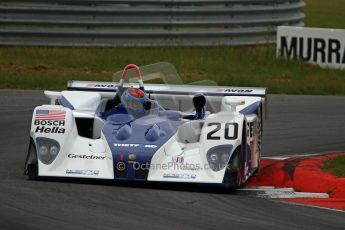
[{"x": 31, "y": 158}]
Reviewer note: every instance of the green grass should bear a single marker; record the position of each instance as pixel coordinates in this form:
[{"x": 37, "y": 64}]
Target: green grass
[
  {"x": 325, "y": 13},
  {"x": 50, "y": 68},
  {"x": 336, "y": 166}
]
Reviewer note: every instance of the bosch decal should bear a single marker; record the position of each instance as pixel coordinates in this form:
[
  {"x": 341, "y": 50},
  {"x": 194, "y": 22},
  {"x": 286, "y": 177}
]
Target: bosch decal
[{"x": 50, "y": 121}]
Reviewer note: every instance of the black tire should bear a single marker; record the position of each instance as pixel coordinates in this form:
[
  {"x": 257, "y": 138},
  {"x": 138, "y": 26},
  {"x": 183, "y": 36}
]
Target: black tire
[
  {"x": 31, "y": 163},
  {"x": 234, "y": 172},
  {"x": 260, "y": 132}
]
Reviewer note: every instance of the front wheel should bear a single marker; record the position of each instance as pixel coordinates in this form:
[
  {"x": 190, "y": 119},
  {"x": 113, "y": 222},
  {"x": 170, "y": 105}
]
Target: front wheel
[
  {"x": 31, "y": 163},
  {"x": 233, "y": 177},
  {"x": 259, "y": 131},
  {"x": 233, "y": 172}
]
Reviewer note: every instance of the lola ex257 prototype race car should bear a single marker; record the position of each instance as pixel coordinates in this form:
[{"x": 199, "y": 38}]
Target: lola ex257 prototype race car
[{"x": 148, "y": 132}]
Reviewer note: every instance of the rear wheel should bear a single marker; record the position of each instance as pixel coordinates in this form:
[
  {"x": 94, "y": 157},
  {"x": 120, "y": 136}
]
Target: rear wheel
[{"x": 31, "y": 163}]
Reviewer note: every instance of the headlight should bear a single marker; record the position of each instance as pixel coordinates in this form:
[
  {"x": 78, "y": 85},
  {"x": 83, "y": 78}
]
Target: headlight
[
  {"x": 48, "y": 149},
  {"x": 43, "y": 150},
  {"x": 225, "y": 157},
  {"x": 54, "y": 150},
  {"x": 213, "y": 157},
  {"x": 219, "y": 156}
]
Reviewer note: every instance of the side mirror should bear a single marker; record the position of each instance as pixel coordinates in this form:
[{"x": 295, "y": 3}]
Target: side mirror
[
  {"x": 233, "y": 102},
  {"x": 53, "y": 96},
  {"x": 199, "y": 101}
]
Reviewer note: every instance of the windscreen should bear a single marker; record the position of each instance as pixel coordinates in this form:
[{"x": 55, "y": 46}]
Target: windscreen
[
  {"x": 161, "y": 73},
  {"x": 165, "y": 73}
]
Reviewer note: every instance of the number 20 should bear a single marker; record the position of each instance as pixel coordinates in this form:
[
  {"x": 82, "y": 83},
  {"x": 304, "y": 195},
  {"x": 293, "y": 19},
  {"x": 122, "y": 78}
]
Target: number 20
[{"x": 211, "y": 136}]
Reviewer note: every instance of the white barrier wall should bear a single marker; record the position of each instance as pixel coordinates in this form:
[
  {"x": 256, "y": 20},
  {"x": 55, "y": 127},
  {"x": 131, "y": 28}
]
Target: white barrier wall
[{"x": 325, "y": 47}]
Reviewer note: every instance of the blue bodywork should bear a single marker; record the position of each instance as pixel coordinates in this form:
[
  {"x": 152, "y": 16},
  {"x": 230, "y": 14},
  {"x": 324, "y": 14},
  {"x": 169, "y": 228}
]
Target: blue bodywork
[
  {"x": 252, "y": 109},
  {"x": 141, "y": 137}
]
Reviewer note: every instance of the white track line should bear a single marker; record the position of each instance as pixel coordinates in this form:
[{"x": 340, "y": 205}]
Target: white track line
[
  {"x": 273, "y": 193},
  {"x": 284, "y": 157},
  {"x": 268, "y": 191},
  {"x": 308, "y": 205}
]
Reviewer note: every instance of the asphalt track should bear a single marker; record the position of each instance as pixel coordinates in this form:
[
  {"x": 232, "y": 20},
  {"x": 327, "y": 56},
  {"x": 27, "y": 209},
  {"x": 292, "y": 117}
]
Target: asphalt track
[{"x": 295, "y": 125}]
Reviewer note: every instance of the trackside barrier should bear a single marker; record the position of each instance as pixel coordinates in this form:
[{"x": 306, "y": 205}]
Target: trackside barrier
[{"x": 146, "y": 22}]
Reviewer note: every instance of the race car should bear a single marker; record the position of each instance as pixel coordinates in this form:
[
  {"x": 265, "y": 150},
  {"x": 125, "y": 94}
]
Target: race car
[{"x": 188, "y": 133}]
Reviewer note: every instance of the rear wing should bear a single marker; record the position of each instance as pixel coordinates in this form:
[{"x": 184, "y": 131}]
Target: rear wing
[
  {"x": 170, "y": 89},
  {"x": 181, "y": 92}
]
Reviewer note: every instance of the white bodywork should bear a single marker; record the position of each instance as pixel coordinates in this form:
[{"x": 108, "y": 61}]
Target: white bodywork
[{"x": 84, "y": 157}]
